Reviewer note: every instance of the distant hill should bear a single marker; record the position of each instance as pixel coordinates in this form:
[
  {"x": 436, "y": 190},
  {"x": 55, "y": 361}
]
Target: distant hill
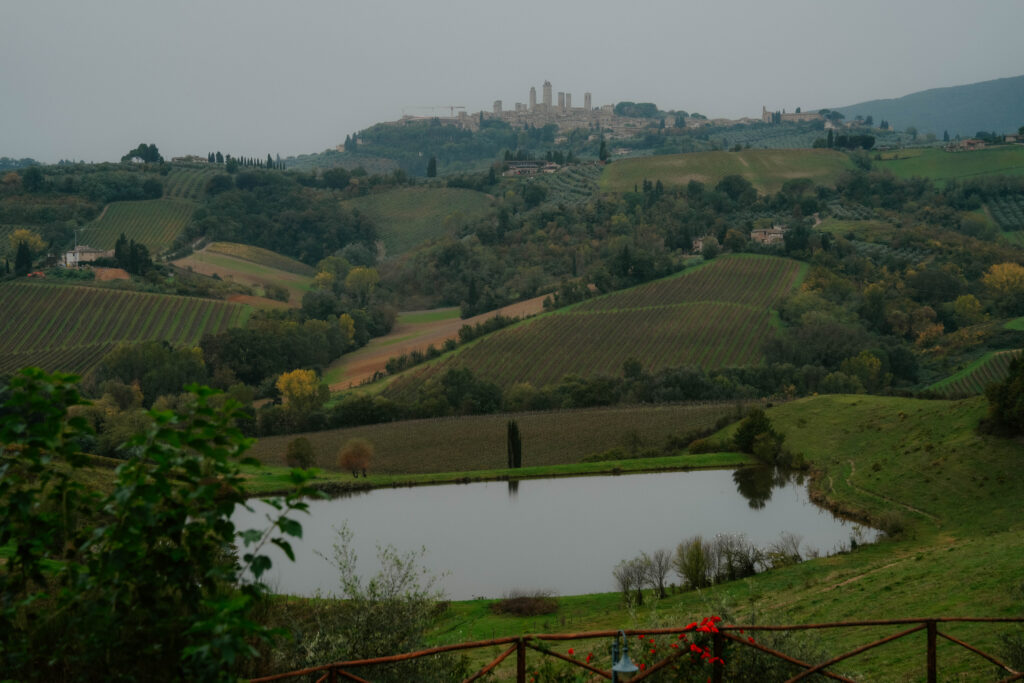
[{"x": 962, "y": 110}]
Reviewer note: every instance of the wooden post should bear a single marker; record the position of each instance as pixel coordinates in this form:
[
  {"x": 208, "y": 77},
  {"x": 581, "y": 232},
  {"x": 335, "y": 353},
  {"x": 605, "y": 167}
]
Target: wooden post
[
  {"x": 520, "y": 661},
  {"x": 933, "y": 669},
  {"x": 717, "y": 647},
  {"x": 332, "y": 676}
]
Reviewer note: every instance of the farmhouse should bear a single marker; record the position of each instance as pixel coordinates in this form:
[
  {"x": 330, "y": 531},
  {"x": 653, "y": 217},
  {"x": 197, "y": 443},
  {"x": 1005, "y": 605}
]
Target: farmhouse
[
  {"x": 768, "y": 236},
  {"x": 84, "y": 254}
]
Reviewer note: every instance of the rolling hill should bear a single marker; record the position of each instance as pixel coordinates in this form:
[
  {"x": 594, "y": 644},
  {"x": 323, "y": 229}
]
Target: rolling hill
[
  {"x": 941, "y": 166},
  {"x": 409, "y": 216},
  {"x": 152, "y": 222},
  {"x": 70, "y": 327},
  {"x": 715, "y": 315},
  {"x": 963, "y": 110},
  {"x": 767, "y": 170}
]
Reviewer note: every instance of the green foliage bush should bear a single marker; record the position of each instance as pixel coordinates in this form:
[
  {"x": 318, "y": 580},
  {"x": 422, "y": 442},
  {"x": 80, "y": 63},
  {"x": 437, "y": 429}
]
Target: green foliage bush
[{"x": 138, "y": 583}]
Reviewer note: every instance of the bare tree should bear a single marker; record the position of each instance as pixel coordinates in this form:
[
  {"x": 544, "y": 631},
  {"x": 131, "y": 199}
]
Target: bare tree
[
  {"x": 658, "y": 565},
  {"x": 631, "y": 575},
  {"x": 784, "y": 551}
]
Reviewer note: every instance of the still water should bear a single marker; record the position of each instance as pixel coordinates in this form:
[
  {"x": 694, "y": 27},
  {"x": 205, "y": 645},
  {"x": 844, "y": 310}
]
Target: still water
[{"x": 564, "y": 535}]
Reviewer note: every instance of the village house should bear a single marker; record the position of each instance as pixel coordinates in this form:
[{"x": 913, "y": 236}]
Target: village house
[
  {"x": 84, "y": 254},
  {"x": 768, "y": 236}
]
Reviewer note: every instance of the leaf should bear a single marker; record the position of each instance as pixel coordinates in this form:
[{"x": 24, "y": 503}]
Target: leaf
[
  {"x": 290, "y": 527},
  {"x": 260, "y": 564},
  {"x": 285, "y": 546},
  {"x": 250, "y": 536}
]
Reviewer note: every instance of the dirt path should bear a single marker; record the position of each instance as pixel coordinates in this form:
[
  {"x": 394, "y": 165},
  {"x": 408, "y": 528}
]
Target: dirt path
[
  {"x": 361, "y": 365},
  {"x": 909, "y": 508}
]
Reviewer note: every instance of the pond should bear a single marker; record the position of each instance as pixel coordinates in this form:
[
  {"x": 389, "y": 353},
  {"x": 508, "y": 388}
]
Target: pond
[{"x": 564, "y": 535}]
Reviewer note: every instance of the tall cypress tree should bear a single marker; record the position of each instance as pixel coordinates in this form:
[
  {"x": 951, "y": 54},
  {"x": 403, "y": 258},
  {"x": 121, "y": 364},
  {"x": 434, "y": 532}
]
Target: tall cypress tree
[{"x": 23, "y": 259}]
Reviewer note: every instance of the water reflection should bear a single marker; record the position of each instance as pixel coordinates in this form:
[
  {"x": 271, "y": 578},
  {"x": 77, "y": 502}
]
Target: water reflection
[
  {"x": 757, "y": 483},
  {"x": 564, "y": 535}
]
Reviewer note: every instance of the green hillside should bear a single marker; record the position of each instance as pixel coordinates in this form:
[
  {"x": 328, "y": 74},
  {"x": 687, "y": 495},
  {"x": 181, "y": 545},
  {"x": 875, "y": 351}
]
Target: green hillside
[
  {"x": 71, "y": 328},
  {"x": 941, "y": 166},
  {"x": 716, "y": 315},
  {"x": 767, "y": 170},
  {"x": 409, "y": 216},
  {"x": 152, "y": 222}
]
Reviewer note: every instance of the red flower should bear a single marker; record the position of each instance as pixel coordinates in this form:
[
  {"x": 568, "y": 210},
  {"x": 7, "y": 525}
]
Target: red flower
[
  {"x": 571, "y": 652},
  {"x": 642, "y": 666},
  {"x": 694, "y": 647},
  {"x": 590, "y": 655},
  {"x": 653, "y": 650},
  {"x": 675, "y": 645},
  {"x": 750, "y": 638},
  {"x": 651, "y": 640}
]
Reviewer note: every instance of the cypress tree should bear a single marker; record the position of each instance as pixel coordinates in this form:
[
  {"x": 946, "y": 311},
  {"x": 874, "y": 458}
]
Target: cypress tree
[
  {"x": 22, "y": 259},
  {"x": 515, "y": 446}
]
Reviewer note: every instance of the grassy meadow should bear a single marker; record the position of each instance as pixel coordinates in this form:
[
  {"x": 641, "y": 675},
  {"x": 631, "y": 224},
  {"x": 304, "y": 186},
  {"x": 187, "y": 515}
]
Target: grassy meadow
[
  {"x": 409, "y": 216},
  {"x": 152, "y": 222},
  {"x": 715, "y": 315},
  {"x": 767, "y": 170},
  {"x": 941, "y": 166}
]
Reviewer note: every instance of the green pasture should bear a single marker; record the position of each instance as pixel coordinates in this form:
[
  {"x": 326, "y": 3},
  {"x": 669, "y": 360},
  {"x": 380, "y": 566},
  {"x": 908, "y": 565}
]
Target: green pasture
[
  {"x": 409, "y": 216},
  {"x": 767, "y": 170},
  {"x": 152, "y": 222},
  {"x": 431, "y": 316},
  {"x": 942, "y": 166},
  {"x": 1015, "y": 324}
]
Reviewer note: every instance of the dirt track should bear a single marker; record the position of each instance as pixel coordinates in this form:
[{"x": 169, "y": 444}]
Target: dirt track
[{"x": 361, "y": 365}]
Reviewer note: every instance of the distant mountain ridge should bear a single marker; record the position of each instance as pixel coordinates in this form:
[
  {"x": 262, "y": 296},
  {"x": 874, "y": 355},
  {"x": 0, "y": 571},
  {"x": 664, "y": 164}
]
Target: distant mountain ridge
[{"x": 996, "y": 105}]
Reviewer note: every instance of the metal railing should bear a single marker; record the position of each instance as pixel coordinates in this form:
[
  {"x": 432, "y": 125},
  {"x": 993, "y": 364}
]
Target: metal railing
[{"x": 719, "y": 635}]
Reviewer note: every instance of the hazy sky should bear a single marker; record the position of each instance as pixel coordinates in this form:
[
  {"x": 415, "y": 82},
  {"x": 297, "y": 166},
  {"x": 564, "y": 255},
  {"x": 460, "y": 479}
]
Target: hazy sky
[{"x": 90, "y": 79}]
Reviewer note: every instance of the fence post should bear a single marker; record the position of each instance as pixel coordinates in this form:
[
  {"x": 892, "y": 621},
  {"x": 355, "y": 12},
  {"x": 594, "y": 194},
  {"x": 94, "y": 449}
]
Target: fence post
[
  {"x": 332, "y": 676},
  {"x": 933, "y": 669},
  {"x": 717, "y": 648},
  {"x": 520, "y": 661}
]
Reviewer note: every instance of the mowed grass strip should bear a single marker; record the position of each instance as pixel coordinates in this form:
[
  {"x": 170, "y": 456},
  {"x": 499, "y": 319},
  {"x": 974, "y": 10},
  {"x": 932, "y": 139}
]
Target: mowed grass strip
[
  {"x": 261, "y": 256},
  {"x": 43, "y": 321},
  {"x": 941, "y": 166},
  {"x": 766, "y": 169},
  {"x": 479, "y": 442},
  {"x": 152, "y": 222},
  {"x": 407, "y": 217}
]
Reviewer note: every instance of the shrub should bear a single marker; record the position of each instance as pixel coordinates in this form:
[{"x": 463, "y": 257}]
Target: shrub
[
  {"x": 893, "y": 523},
  {"x": 526, "y": 604},
  {"x": 300, "y": 453},
  {"x": 355, "y": 456}
]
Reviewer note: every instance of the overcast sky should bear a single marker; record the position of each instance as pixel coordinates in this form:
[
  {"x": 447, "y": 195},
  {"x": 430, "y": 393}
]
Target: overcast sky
[{"x": 90, "y": 79}]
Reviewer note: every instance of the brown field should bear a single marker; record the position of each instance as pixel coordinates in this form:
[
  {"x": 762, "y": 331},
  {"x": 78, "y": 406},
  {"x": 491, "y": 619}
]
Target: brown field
[
  {"x": 257, "y": 301},
  {"x": 409, "y": 335},
  {"x": 108, "y": 274},
  {"x": 478, "y": 442}
]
